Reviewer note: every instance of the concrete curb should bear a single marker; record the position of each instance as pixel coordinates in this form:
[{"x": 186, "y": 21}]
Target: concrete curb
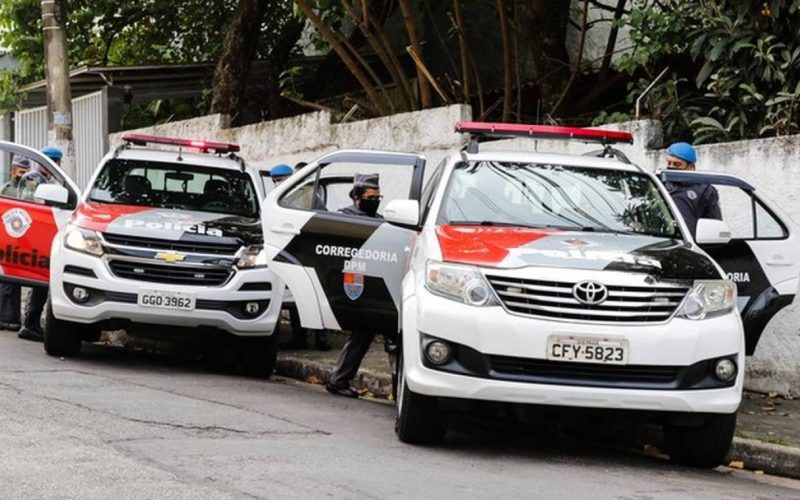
[
  {"x": 756, "y": 455},
  {"x": 771, "y": 458},
  {"x": 378, "y": 384}
]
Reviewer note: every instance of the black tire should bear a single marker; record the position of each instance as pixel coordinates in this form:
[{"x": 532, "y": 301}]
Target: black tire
[
  {"x": 418, "y": 418},
  {"x": 61, "y": 338},
  {"x": 258, "y": 355},
  {"x": 702, "y": 446}
]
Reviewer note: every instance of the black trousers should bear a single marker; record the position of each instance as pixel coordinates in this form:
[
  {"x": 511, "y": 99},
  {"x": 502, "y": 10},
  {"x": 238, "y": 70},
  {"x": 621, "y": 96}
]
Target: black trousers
[
  {"x": 350, "y": 358},
  {"x": 10, "y": 296},
  {"x": 34, "y": 308}
]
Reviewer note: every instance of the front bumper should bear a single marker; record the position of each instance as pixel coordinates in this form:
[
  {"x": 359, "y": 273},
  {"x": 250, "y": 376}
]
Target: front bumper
[
  {"x": 493, "y": 333},
  {"x": 115, "y": 299}
]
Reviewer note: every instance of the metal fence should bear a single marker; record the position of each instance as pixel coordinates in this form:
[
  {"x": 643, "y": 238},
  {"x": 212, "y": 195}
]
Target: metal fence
[
  {"x": 89, "y": 131},
  {"x": 30, "y": 127}
]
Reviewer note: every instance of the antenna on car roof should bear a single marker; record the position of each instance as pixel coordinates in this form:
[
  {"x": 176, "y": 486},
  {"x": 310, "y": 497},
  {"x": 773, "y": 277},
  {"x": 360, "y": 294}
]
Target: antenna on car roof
[{"x": 480, "y": 131}]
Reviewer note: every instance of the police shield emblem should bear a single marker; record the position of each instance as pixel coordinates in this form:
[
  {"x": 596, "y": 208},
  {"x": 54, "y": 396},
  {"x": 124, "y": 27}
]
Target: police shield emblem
[{"x": 353, "y": 285}]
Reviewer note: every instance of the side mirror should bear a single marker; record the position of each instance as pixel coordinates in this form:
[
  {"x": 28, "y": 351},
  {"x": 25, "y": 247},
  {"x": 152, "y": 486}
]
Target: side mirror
[
  {"x": 402, "y": 212},
  {"x": 51, "y": 194},
  {"x": 712, "y": 232}
]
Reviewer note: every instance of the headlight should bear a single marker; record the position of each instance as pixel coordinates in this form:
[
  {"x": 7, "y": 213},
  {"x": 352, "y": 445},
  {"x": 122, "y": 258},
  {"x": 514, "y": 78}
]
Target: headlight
[
  {"x": 462, "y": 283},
  {"x": 83, "y": 240},
  {"x": 253, "y": 257},
  {"x": 709, "y": 298}
]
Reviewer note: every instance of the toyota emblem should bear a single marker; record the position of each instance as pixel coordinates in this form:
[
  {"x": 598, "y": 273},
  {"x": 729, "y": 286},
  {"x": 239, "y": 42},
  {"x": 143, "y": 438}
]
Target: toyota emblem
[{"x": 590, "y": 292}]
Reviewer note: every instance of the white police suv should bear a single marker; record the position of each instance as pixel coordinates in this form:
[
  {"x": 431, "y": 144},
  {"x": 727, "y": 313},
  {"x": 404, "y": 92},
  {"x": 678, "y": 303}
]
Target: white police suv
[
  {"x": 164, "y": 243},
  {"x": 544, "y": 279}
]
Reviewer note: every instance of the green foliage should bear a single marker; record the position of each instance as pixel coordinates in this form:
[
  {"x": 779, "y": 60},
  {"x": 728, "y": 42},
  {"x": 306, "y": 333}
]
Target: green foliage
[
  {"x": 10, "y": 95},
  {"x": 734, "y": 66}
]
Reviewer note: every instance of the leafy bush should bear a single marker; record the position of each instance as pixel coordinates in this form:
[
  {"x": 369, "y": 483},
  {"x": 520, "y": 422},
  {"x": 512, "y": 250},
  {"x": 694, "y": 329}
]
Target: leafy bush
[{"x": 734, "y": 66}]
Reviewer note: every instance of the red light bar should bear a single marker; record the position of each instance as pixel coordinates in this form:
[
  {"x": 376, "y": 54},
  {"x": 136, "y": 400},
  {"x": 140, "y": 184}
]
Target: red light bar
[
  {"x": 203, "y": 146},
  {"x": 544, "y": 132}
]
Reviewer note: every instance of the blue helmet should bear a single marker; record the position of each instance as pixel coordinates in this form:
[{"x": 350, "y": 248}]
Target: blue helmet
[
  {"x": 684, "y": 151},
  {"x": 53, "y": 153},
  {"x": 281, "y": 170}
]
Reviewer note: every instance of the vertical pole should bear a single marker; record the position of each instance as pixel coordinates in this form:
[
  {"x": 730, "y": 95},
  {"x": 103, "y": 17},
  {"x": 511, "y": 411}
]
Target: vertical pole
[{"x": 59, "y": 95}]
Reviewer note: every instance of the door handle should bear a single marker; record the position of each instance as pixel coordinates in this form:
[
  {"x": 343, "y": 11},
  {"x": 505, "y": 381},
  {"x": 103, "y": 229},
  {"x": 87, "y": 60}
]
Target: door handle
[
  {"x": 284, "y": 230},
  {"x": 779, "y": 260}
]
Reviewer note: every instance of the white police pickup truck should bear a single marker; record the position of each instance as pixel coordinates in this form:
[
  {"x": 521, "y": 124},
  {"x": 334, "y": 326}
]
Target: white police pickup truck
[
  {"x": 542, "y": 279},
  {"x": 164, "y": 243}
]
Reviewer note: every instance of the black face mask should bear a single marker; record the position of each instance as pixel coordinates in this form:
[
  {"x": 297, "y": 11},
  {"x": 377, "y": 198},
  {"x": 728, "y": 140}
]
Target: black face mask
[{"x": 369, "y": 207}]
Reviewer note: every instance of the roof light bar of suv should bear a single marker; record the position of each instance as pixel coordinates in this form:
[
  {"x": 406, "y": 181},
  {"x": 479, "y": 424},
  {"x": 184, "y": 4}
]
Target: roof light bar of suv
[
  {"x": 203, "y": 146},
  {"x": 486, "y": 129}
]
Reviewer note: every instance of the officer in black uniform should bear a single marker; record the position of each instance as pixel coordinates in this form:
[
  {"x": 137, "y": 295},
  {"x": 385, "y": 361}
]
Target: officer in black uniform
[
  {"x": 366, "y": 196},
  {"x": 31, "y": 322},
  {"x": 11, "y": 293},
  {"x": 694, "y": 201}
]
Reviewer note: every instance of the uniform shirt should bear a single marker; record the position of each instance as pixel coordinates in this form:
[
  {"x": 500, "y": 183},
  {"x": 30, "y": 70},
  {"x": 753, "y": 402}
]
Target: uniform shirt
[
  {"x": 354, "y": 210},
  {"x": 11, "y": 188},
  {"x": 695, "y": 201}
]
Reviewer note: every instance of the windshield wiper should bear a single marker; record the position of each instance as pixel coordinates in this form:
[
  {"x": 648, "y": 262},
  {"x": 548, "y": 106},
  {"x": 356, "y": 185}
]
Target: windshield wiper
[{"x": 498, "y": 224}]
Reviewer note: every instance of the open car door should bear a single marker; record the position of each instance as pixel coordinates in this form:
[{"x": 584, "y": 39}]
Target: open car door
[
  {"x": 345, "y": 271},
  {"x": 763, "y": 256},
  {"x": 36, "y": 200}
]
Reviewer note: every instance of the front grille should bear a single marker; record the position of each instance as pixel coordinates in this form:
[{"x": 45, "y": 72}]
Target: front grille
[
  {"x": 212, "y": 248},
  {"x": 554, "y": 299},
  {"x": 169, "y": 273},
  {"x": 586, "y": 373}
]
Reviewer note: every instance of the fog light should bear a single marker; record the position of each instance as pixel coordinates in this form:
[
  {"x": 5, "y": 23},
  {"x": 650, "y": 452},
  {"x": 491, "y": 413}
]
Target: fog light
[
  {"x": 725, "y": 370},
  {"x": 80, "y": 294},
  {"x": 438, "y": 352},
  {"x": 252, "y": 308}
]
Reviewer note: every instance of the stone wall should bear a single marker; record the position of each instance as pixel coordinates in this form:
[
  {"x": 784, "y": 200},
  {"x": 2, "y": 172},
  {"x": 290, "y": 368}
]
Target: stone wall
[{"x": 769, "y": 164}]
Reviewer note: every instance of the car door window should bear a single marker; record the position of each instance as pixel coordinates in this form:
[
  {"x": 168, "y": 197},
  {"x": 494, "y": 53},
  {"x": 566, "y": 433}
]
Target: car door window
[
  {"x": 21, "y": 176},
  {"x": 334, "y": 184},
  {"x": 746, "y": 216}
]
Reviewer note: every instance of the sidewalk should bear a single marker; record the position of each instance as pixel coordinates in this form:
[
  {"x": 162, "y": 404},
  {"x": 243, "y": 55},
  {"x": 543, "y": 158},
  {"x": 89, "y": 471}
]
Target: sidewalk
[{"x": 767, "y": 436}]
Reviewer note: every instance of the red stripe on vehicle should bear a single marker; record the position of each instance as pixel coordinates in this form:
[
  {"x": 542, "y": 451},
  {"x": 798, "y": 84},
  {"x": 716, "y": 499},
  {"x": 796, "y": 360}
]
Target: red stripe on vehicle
[
  {"x": 97, "y": 216},
  {"x": 484, "y": 244}
]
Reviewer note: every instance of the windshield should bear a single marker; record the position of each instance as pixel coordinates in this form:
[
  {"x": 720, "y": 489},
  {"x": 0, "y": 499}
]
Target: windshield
[
  {"x": 170, "y": 185},
  {"x": 541, "y": 195}
]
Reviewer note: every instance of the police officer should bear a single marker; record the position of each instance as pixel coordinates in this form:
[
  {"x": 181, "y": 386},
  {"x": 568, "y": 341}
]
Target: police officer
[
  {"x": 694, "y": 201},
  {"x": 366, "y": 196},
  {"x": 10, "y": 293},
  {"x": 31, "y": 322}
]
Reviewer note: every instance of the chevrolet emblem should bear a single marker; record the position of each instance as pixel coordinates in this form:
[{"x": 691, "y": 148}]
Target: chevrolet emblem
[{"x": 171, "y": 257}]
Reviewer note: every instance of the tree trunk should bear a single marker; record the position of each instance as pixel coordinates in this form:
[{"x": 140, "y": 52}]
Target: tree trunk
[
  {"x": 343, "y": 54},
  {"x": 233, "y": 68},
  {"x": 462, "y": 45},
  {"x": 363, "y": 23},
  {"x": 507, "y": 60},
  {"x": 612, "y": 40},
  {"x": 578, "y": 60},
  {"x": 278, "y": 57},
  {"x": 547, "y": 25},
  {"x": 416, "y": 46}
]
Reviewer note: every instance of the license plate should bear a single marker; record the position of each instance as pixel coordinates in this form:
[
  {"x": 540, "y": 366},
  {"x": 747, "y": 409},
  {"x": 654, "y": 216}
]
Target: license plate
[
  {"x": 180, "y": 301},
  {"x": 602, "y": 350}
]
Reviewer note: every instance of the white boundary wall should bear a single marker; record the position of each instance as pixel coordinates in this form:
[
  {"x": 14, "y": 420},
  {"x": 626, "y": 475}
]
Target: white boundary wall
[{"x": 769, "y": 164}]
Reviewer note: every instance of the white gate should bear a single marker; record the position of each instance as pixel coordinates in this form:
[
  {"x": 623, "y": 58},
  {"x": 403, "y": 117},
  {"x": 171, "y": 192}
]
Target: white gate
[
  {"x": 89, "y": 131},
  {"x": 30, "y": 127}
]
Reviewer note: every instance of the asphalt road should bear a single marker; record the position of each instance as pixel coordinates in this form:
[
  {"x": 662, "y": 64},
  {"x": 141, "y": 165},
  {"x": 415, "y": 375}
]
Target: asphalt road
[{"x": 117, "y": 424}]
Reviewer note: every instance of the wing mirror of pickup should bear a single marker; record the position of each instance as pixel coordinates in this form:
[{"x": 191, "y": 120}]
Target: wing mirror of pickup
[
  {"x": 52, "y": 195},
  {"x": 402, "y": 212},
  {"x": 712, "y": 232}
]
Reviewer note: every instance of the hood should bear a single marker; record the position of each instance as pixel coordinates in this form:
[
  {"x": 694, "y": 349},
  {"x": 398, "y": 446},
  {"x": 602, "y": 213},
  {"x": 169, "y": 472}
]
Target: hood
[
  {"x": 168, "y": 224},
  {"x": 514, "y": 247}
]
